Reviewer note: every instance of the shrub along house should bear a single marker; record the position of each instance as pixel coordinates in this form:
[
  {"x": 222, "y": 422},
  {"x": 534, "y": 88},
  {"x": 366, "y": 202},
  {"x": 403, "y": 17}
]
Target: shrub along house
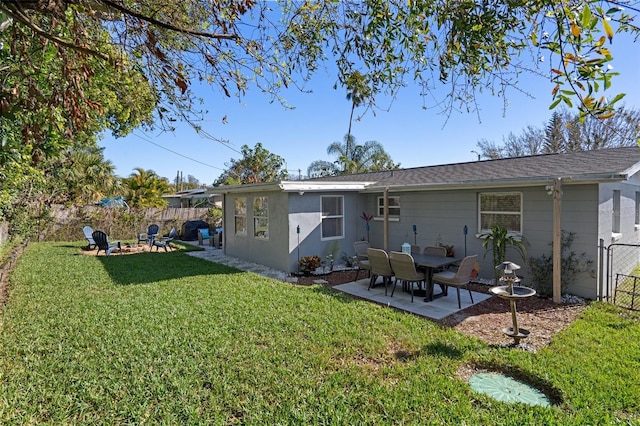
[{"x": 593, "y": 194}]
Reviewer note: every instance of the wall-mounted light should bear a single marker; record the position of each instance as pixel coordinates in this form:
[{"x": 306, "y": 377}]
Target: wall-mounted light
[
  {"x": 549, "y": 189},
  {"x": 300, "y": 192}
]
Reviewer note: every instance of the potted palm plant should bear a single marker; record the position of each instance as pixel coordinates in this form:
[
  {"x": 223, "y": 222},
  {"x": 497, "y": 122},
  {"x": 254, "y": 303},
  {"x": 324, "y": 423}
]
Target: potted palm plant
[{"x": 497, "y": 240}]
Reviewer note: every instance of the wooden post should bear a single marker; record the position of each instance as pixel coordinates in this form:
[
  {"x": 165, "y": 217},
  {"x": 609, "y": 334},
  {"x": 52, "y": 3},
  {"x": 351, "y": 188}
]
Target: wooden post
[
  {"x": 557, "y": 241},
  {"x": 386, "y": 218}
]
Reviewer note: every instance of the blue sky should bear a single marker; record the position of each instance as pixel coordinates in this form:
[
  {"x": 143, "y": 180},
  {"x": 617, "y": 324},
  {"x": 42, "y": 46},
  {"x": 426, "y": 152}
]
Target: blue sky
[{"x": 413, "y": 136}]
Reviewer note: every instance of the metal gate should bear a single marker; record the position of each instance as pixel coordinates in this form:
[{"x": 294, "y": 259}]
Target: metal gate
[{"x": 620, "y": 284}]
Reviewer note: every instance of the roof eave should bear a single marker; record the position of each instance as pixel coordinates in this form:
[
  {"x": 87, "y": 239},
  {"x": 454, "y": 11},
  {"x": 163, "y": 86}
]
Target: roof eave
[
  {"x": 296, "y": 186},
  {"x": 500, "y": 183}
]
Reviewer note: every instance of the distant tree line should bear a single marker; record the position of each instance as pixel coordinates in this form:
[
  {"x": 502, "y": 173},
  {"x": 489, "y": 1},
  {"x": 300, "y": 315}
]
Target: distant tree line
[{"x": 566, "y": 132}]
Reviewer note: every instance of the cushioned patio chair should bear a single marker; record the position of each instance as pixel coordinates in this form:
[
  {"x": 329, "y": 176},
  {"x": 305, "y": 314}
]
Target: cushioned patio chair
[
  {"x": 165, "y": 242},
  {"x": 458, "y": 279},
  {"x": 404, "y": 269},
  {"x": 380, "y": 267},
  {"x": 203, "y": 234},
  {"x": 361, "y": 257},
  {"x": 88, "y": 231},
  {"x": 102, "y": 241}
]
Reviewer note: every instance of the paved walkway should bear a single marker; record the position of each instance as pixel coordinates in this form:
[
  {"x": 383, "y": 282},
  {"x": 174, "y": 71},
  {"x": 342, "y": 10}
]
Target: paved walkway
[{"x": 218, "y": 256}]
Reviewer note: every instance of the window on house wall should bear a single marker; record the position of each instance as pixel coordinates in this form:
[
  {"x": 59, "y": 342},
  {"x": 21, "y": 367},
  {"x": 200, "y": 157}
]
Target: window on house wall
[
  {"x": 394, "y": 206},
  {"x": 332, "y": 217},
  {"x": 261, "y": 217},
  {"x": 500, "y": 208},
  {"x": 240, "y": 215},
  {"x": 615, "y": 220},
  {"x": 637, "y": 208}
]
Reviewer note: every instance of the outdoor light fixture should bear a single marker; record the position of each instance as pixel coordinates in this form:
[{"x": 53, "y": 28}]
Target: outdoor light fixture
[{"x": 549, "y": 189}]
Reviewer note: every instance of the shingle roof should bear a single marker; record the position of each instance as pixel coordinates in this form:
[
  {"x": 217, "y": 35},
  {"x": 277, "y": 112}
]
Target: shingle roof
[{"x": 599, "y": 165}]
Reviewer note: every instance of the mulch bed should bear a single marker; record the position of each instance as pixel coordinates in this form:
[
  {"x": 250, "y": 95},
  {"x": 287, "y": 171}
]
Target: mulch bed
[{"x": 485, "y": 320}]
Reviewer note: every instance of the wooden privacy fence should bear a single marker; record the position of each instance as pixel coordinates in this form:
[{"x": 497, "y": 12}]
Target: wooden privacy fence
[{"x": 66, "y": 223}]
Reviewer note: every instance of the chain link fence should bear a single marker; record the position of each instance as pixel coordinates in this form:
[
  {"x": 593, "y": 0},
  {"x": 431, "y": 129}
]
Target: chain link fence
[{"x": 622, "y": 275}]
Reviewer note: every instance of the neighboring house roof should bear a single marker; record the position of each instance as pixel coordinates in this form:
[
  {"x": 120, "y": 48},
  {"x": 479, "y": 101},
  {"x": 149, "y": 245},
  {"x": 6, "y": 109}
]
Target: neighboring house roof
[
  {"x": 191, "y": 194},
  {"x": 613, "y": 164}
]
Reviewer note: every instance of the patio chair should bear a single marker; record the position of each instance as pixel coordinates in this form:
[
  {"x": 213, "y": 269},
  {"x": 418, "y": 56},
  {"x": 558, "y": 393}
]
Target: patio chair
[
  {"x": 150, "y": 235},
  {"x": 435, "y": 251},
  {"x": 458, "y": 279},
  {"x": 404, "y": 269},
  {"x": 203, "y": 234},
  {"x": 380, "y": 267},
  {"x": 361, "y": 257},
  {"x": 87, "y": 231},
  {"x": 102, "y": 241},
  {"x": 165, "y": 242},
  {"x": 415, "y": 248}
]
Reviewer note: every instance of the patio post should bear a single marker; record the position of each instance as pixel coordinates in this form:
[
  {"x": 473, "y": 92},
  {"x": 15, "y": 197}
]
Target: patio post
[
  {"x": 386, "y": 218},
  {"x": 557, "y": 240}
]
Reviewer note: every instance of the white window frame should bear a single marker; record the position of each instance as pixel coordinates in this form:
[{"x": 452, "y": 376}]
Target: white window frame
[
  {"x": 501, "y": 212},
  {"x": 239, "y": 215},
  {"x": 260, "y": 216},
  {"x": 331, "y": 216},
  {"x": 616, "y": 211},
  {"x": 394, "y": 210}
]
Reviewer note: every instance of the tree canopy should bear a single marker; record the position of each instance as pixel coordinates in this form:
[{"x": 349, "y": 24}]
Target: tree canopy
[
  {"x": 565, "y": 132},
  {"x": 377, "y": 45},
  {"x": 257, "y": 165}
]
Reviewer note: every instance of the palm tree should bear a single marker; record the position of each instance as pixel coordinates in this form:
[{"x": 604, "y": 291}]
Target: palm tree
[
  {"x": 145, "y": 188},
  {"x": 358, "y": 93},
  {"x": 355, "y": 158},
  {"x": 82, "y": 175}
]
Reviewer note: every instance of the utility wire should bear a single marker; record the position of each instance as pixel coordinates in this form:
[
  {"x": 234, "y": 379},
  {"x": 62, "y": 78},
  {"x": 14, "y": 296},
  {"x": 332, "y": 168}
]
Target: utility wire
[{"x": 176, "y": 153}]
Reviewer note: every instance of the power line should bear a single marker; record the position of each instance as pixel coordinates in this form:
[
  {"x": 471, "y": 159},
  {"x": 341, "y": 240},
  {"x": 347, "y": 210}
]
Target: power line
[{"x": 176, "y": 153}]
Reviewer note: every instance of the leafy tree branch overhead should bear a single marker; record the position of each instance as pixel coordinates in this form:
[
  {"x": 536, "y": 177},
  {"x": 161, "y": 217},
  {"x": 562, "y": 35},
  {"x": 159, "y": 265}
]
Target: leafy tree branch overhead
[{"x": 465, "y": 45}]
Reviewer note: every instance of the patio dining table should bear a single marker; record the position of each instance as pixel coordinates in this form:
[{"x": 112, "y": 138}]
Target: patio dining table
[{"x": 431, "y": 262}]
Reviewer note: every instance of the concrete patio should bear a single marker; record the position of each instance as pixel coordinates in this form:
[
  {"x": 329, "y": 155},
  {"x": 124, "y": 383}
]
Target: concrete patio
[{"x": 437, "y": 309}]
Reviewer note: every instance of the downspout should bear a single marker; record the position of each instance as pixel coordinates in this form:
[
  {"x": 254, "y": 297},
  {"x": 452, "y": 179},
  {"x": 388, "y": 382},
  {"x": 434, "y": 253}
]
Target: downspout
[
  {"x": 225, "y": 228},
  {"x": 557, "y": 240}
]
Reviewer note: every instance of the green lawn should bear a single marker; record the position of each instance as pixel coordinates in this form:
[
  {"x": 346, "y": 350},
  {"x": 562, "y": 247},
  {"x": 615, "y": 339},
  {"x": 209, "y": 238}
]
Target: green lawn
[{"x": 165, "y": 338}]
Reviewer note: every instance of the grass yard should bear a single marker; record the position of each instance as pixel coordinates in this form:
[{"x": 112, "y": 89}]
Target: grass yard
[{"x": 168, "y": 338}]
